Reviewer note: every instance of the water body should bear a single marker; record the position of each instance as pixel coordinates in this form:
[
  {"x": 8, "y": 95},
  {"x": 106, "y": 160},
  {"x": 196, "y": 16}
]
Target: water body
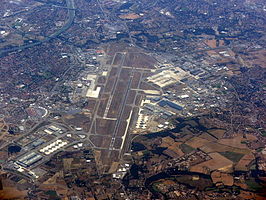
[
  {"x": 185, "y": 177},
  {"x": 11, "y": 131},
  {"x": 170, "y": 174},
  {"x": 71, "y": 16},
  {"x": 14, "y": 149},
  {"x": 173, "y": 172},
  {"x": 136, "y": 171}
]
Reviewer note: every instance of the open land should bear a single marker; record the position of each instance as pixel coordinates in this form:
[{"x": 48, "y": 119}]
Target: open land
[{"x": 132, "y": 99}]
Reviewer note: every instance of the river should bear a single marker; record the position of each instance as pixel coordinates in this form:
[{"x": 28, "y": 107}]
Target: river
[{"x": 71, "y": 15}]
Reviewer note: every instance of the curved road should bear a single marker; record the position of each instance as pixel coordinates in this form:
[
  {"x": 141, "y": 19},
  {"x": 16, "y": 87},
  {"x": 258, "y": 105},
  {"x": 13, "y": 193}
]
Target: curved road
[{"x": 71, "y": 15}]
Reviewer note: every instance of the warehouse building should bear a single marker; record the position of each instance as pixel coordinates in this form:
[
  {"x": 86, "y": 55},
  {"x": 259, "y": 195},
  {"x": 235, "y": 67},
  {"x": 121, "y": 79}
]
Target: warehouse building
[
  {"x": 53, "y": 147},
  {"x": 29, "y": 159}
]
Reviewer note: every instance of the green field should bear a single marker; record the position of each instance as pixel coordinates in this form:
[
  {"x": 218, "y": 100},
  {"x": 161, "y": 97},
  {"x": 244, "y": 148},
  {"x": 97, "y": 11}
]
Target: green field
[
  {"x": 233, "y": 156},
  {"x": 186, "y": 148},
  {"x": 253, "y": 185}
]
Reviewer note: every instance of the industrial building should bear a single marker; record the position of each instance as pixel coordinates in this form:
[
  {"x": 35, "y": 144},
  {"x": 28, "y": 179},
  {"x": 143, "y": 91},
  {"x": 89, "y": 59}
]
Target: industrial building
[
  {"x": 37, "y": 143},
  {"x": 167, "y": 77},
  {"x": 53, "y": 147},
  {"x": 142, "y": 121},
  {"x": 92, "y": 92},
  {"x": 156, "y": 109},
  {"x": 53, "y": 129},
  {"x": 165, "y": 103},
  {"x": 29, "y": 159}
]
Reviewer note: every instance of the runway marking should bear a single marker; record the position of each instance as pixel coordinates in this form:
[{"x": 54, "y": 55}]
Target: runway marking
[
  {"x": 107, "y": 107},
  {"x": 125, "y": 134}
]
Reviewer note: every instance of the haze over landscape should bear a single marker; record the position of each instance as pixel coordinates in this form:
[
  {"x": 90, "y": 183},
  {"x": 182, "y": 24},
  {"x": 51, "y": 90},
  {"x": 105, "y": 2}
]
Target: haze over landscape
[{"x": 132, "y": 99}]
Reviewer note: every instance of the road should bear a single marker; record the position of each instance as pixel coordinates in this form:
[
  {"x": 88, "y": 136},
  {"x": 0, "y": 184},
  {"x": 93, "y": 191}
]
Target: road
[{"x": 71, "y": 15}]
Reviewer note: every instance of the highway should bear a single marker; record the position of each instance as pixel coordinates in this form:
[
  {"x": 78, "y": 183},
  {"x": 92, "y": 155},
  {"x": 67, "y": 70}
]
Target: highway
[{"x": 71, "y": 15}]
